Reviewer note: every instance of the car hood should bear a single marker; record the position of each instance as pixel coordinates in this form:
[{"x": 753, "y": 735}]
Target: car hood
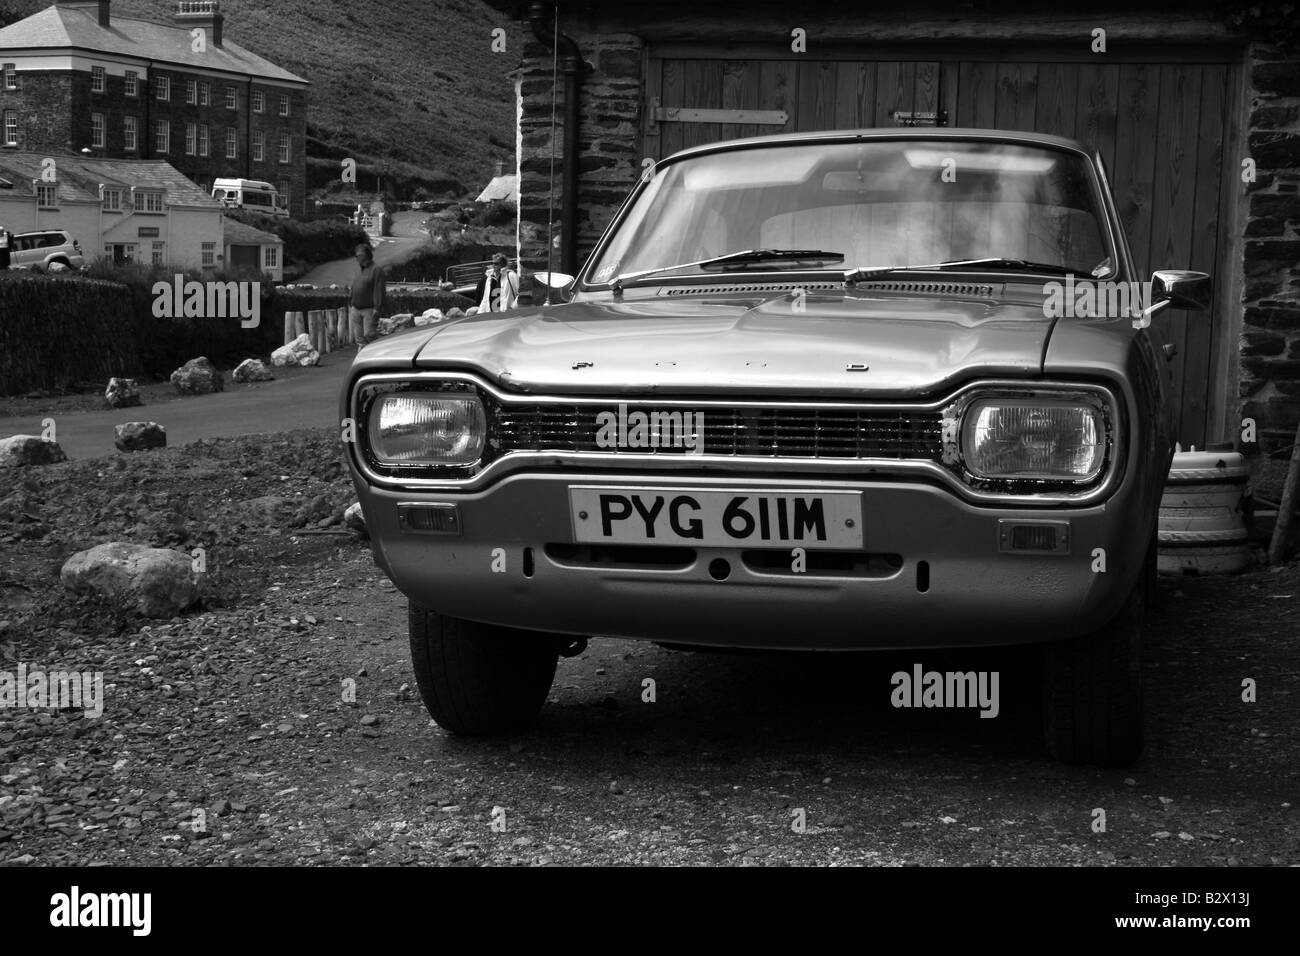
[{"x": 835, "y": 343}]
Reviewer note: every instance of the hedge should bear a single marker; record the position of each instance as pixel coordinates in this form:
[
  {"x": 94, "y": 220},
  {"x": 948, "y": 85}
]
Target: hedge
[{"x": 56, "y": 330}]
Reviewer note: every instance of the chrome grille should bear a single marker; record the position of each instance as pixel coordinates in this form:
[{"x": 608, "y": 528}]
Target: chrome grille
[{"x": 738, "y": 431}]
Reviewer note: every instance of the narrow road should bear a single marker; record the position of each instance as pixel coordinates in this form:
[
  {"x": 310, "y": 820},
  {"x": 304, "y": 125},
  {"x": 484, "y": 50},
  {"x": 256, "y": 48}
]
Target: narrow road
[{"x": 405, "y": 239}]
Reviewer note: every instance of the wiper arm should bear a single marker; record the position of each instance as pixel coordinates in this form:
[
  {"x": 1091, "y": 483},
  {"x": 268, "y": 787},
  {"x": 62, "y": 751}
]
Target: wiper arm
[
  {"x": 747, "y": 255},
  {"x": 993, "y": 262}
]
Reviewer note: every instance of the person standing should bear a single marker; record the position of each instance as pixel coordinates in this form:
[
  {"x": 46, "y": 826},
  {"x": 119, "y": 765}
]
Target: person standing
[
  {"x": 6, "y": 244},
  {"x": 367, "y": 297},
  {"x": 498, "y": 290}
]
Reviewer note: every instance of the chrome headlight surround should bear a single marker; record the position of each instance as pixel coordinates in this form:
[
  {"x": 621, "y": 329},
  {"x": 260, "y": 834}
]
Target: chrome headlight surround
[
  {"x": 1036, "y": 413},
  {"x": 419, "y": 427}
]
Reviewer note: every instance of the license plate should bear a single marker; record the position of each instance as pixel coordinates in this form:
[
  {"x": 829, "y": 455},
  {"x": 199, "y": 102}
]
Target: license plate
[{"x": 717, "y": 519}]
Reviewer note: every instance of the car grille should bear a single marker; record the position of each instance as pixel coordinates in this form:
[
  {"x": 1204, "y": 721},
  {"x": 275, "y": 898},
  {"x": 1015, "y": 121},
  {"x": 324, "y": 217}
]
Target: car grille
[{"x": 739, "y": 431}]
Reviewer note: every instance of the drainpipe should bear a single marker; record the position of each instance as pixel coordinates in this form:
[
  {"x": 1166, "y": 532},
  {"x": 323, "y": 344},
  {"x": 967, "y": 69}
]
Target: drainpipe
[{"x": 573, "y": 67}]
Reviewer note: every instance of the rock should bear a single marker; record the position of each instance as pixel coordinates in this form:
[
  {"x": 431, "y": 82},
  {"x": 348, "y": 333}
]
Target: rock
[
  {"x": 22, "y": 451},
  {"x": 429, "y": 317},
  {"x": 354, "y": 519},
  {"x": 472, "y": 310},
  {"x": 139, "y": 436},
  {"x": 396, "y": 323},
  {"x": 457, "y": 313},
  {"x": 252, "y": 370},
  {"x": 122, "y": 393},
  {"x": 157, "y": 582},
  {"x": 198, "y": 377},
  {"x": 297, "y": 352}
]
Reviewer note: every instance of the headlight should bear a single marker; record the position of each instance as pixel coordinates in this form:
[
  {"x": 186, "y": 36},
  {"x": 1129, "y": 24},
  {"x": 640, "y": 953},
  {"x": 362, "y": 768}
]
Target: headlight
[
  {"x": 414, "y": 429},
  {"x": 1036, "y": 438}
]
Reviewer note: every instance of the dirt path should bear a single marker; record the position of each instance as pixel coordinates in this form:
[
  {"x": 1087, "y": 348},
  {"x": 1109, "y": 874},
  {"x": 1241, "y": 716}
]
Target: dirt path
[{"x": 239, "y": 711}]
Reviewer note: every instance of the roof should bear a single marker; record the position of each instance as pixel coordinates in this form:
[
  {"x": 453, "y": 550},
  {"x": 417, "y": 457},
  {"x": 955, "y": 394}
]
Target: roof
[
  {"x": 885, "y": 133},
  {"x": 77, "y": 26},
  {"x": 501, "y": 187},
  {"x": 79, "y": 177},
  {"x": 242, "y": 234}
]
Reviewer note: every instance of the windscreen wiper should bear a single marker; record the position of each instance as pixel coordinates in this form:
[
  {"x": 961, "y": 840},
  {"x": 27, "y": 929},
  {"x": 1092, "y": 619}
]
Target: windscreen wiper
[
  {"x": 747, "y": 255},
  {"x": 994, "y": 262}
]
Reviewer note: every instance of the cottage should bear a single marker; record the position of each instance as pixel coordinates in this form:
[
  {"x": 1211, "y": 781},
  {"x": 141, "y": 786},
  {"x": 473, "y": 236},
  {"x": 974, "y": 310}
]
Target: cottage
[
  {"x": 250, "y": 250},
  {"x": 130, "y": 210},
  {"x": 1197, "y": 117}
]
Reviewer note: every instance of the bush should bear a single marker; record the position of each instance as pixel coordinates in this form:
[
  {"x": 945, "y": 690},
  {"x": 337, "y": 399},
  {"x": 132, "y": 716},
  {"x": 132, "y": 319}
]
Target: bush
[{"x": 308, "y": 244}]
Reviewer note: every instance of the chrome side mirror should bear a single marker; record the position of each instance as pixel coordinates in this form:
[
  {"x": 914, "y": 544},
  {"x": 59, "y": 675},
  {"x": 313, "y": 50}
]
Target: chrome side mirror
[
  {"x": 1177, "y": 288},
  {"x": 557, "y": 286}
]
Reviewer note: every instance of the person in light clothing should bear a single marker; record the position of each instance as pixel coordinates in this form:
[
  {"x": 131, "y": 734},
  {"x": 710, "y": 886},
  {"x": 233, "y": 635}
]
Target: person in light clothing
[
  {"x": 499, "y": 288},
  {"x": 367, "y": 297}
]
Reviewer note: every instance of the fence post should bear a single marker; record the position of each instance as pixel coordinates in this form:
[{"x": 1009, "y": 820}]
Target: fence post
[
  {"x": 299, "y": 324},
  {"x": 288, "y": 327}
]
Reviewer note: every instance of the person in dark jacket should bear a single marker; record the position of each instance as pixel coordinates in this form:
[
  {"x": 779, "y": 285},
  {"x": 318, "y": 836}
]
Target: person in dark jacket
[
  {"x": 367, "y": 297},
  {"x": 6, "y": 245}
]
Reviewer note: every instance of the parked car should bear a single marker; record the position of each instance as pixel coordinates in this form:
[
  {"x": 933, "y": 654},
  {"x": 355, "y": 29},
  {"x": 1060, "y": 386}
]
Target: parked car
[
  {"x": 895, "y": 421},
  {"x": 48, "y": 250}
]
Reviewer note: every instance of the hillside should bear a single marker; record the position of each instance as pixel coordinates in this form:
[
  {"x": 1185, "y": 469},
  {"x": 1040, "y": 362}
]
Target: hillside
[{"x": 408, "y": 81}]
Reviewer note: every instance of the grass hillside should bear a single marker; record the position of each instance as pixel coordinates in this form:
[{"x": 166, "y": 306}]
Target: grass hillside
[{"x": 412, "y": 82}]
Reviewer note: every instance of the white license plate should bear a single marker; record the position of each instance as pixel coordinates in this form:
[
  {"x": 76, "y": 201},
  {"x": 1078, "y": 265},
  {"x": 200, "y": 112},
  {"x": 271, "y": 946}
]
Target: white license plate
[{"x": 717, "y": 519}]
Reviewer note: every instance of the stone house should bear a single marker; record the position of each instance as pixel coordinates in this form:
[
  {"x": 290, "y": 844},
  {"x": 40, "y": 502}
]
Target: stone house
[
  {"x": 1196, "y": 115},
  {"x": 76, "y": 77},
  {"x": 130, "y": 210}
]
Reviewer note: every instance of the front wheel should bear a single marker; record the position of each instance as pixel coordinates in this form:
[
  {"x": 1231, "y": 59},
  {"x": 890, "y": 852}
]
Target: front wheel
[
  {"x": 479, "y": 679},
  {"x": 1092, "y": 690}
]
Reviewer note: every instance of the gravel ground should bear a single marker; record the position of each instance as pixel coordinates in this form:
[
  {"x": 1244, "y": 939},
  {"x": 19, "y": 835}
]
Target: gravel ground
[{"x": 226, "y": 736}]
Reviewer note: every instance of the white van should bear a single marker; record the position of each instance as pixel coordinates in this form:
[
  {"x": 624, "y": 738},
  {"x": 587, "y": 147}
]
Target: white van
[{"x": 252, "y": 195}]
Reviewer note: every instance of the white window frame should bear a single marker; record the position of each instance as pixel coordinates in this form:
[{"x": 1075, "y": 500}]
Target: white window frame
[
  {"x": 270, "y": 257},
  {"x": 131, "y": 83},
  {"x": 191, "y": 92},
  {"x": 149, "y": 201},
  {"x": 159, "y": 253},
  {"x": 191, "y": 139},
  {"x": 286, "y": 147},
  {"x": 232, "y": 143},
  {"x": 259, "y": 146},
  {"x": 98, "y": 79},
  {"x": 163, "y": 89},
  {"x": 205, "y": 93},
  {"x": 284, "y": 104},
  {"x": 162, "y": 136},
  {"x": 259, "y": 101},
  {"x": 10, "y": 120},
  {"x": 208, "y": 255},
  {"x": 232, "y": 98},
  {"x": 97, "y": 130},
  {"x": 11, "y": 76},
  {"x": 205, "y": 140},
  {"x": 47, "y": 195},
  {"x": 111, "y": 200},
  {"x": 130, "y": 134}
]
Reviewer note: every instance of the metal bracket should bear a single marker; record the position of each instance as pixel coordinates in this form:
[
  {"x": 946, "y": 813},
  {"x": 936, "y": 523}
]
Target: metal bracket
[{"x": 681, "y": 114}]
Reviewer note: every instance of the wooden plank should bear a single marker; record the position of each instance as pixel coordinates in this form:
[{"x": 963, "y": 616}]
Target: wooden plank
[
  {"x": 1095, "y": 107},
  {"x": 895, "y": 85},
  {"x": 948, "y": 91},
  {"x": 739, "y": 92},
  {"x": 1016, "y": 96},
  {"x": 1133, "y": 175},
  {"x": 815, "y": 107},
  {"x": 777, "y": 86},
  {"x": 651, "y": 131},
  {"x": 702, "y": 87},
  {"x": 1225, "y": 410},
  {"x": 1200, "y": 382},
  {"x": 976, "y": 97},
  {"x": 672, "y": 93},
  {"x": 855, "y": 94},
  {"x": 1171, "y": 213},
  {"x": 1057, "y": 92}
]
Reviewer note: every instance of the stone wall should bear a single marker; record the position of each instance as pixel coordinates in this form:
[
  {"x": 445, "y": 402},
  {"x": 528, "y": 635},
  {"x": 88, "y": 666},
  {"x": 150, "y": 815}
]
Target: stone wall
[
  {"x": 1269, "y": 358},
  {"x": 41, "y": 102}
]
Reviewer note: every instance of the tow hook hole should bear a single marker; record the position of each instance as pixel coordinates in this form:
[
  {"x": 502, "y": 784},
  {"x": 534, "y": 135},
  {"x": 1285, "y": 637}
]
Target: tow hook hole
[
  {"x": 719, "y": 569},
  {"x": 923, "y": 576},
  {"x": 528, "y": 562}
]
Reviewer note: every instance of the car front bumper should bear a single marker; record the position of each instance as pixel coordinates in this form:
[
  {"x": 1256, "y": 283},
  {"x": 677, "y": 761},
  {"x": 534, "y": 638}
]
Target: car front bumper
[{"x": 946, "y": 581}]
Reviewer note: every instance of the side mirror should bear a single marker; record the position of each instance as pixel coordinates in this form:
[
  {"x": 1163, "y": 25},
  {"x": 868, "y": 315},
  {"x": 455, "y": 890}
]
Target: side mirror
[
  {"x": 1177, "y": 288},
  {"x": 556, "y": 280},
  {"x": 551, "y": 287}
]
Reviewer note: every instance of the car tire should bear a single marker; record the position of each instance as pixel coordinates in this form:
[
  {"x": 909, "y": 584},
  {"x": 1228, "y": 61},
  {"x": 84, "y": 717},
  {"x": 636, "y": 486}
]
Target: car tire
[
  {"x": 479, "y": 679},
  {"x": 1092, "y": 690}
]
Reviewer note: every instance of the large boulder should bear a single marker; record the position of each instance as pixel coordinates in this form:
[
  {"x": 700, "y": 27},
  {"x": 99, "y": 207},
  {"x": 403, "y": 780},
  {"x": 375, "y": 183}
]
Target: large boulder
[
  {"x": 22, "y": 451},
  {"x": 429, "y": 317},
  {"x": 122, "y": 393},
  {"x": 252, "y": 370},
  {"x": 456, "y": 312},
  {"x": 396, "y": 323},
  {"x": 355, "y": 519},
  {"x": 297, "y": 352},
  {"x": 139, "y": 436},
  {"x": 156, "y": 582},
  {"x": 198, "y": 377}
]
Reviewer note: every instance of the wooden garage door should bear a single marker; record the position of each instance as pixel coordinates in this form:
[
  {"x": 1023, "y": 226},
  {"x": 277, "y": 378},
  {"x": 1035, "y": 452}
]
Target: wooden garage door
[{"x": 1160, "y": 121}]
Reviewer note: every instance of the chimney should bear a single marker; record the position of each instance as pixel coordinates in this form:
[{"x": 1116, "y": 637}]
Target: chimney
[
  {"x": 103, "y": 13},
  {"x": 501, "y": 168},
  {"x": 204, "y": 14}
]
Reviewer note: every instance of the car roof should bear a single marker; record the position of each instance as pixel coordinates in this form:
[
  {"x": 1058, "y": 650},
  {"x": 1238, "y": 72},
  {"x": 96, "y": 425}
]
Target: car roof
[{"x": 920, "y": 133}]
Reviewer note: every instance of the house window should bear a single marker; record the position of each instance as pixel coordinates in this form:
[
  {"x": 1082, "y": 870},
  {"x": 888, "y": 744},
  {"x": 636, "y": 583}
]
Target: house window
[
  {"x": 284, "y": 146},
  {"x": 112, "y": 201},
  {"x": 131, "y": 84},
  {"x": 129, "y": 129},
  {"x": 159, "y": 250},
  {"x": 204, "y": 145},
  {"x": 163, "y": 88},
  {"x": 283, "y": 189},
  {"x": 11, "y": 76},
  {"x": 284, "y": 104},
  {"x": 259, "y": 101},
  {"x": 47, "y": 195},
  {"x": 232, "y": 143},
  {"x": 97, "y": 79},
  {"x": 259, "y": 146},
  {"x": 270, "y": 257},
  {"x": 97, "y": 130},
  {"x": 209, "y": 254},
  {"x": 205, "y": 93},
  {"x": 191, "y": 138},
  {"x": 232, "y": 98},
  {"x": 162, "y": 136},
  {"x": 148, "y": 200},
  {"x": 191, "y": 92},
  {"x": 11, "y": 127}
]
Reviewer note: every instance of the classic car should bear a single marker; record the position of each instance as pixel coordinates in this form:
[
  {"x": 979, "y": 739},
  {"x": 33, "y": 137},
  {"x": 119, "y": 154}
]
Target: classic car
[{"x": 823, "y": 391}]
